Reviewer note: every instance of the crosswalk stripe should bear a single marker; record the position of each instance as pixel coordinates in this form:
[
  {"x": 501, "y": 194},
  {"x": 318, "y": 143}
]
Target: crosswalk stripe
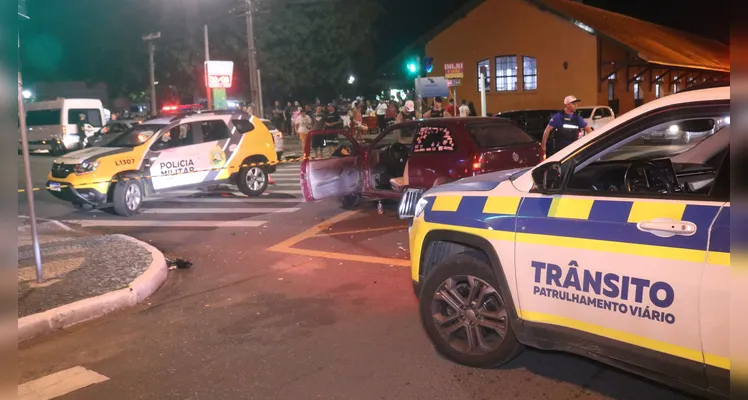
[
  {"x": 245, "y": 200},
  {"x": 130, "y": 223},
  {"x": 59, "y": 384},
  {"x": 219, "y": 210},
  {"x": 284, "y": 191}
]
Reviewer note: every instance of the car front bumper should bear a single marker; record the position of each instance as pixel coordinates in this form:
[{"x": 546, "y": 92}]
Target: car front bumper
[{"x": 67, "y": 192}]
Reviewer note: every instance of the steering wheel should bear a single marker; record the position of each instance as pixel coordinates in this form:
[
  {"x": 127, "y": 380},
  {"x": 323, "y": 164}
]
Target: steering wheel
[
  {"x": 654, "y": 178},
  {"x": 398, "y": 152}
]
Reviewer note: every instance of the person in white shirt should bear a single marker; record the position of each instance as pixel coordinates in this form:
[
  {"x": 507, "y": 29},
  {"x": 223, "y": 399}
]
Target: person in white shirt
[
  {"x": 381, "y": 115},
  {"x": 464, "y": 110}
]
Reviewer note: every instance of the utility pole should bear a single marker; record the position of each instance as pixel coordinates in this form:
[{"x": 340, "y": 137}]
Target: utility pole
[
  {"x": 253, "y": 85},
  {"x": 419, "y": 95},
  {"x": 483, "y": 72},
  {"x": 208, "y": 90},
  {"x": 27, "y": 170},
  {"x": 151, "y": 49}
]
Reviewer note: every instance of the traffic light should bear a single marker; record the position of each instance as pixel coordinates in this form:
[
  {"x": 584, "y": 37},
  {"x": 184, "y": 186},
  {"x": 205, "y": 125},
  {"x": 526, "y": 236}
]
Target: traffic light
[
  {"x": 412, "y": 68},
  {"x": 428, "y": 64}
]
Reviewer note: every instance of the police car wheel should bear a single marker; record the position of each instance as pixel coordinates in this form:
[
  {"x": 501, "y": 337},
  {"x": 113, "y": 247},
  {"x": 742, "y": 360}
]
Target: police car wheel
[
  {"x": 252, "y": 180},
  {"x": 128, "y": 197},
  {"x": 463, "y": 312}
]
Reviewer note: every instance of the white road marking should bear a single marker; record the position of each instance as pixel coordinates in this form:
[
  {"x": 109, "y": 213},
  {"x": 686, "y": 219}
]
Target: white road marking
[
  {"x": 284, "y": 191},
  {"x": 219, "y": 210},
  {"x": 284, "y": 179},
  {"x": 166, "y": 224},
  {"x": 285, "y": 175},
  {"x": 59, "y": 384},
  {"x": 245, "y": 200}
]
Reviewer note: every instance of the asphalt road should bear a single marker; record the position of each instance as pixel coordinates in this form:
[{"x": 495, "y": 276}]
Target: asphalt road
[{"x": 291, "y": 309}]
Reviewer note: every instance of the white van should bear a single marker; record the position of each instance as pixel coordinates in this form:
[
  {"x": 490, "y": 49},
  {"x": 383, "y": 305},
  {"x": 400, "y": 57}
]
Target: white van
[{"x": 51, "y": 125}]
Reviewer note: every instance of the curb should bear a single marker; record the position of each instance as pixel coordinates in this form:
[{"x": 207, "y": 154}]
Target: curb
[{"x": 147, "y": 283}]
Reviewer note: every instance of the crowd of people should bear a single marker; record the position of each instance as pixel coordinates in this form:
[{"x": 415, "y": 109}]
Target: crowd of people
[{"x": 364, "y": 116}]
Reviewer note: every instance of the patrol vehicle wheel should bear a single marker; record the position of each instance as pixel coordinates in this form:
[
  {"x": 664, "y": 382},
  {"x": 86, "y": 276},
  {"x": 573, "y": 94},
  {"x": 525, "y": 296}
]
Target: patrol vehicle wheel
[
  {"x": 463, "y": 312},
  {"x": 128, "y": 196},
  {"x": 253, "y": 180}
]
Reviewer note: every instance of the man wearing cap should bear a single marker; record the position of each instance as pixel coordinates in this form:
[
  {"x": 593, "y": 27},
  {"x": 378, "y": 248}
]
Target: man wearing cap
[
  {"x": 408, "y": 113},
  {"x": 565, "y": 125}
]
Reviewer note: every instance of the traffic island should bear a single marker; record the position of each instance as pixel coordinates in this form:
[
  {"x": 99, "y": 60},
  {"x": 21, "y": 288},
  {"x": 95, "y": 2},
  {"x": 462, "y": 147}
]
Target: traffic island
[{"x": 85, "y": 277}]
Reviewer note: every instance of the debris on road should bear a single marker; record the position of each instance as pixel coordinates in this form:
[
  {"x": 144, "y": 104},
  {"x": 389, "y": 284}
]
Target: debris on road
[{"x": 178, "y": 263}]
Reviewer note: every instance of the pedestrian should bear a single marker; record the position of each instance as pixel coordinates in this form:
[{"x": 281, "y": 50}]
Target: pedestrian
[
  {"x": 464, "y": 110},
  {"x": 277, "y": 115},
  {"x": 303, "y": 125},
  {"x": 451, "y": 107},
  {"x": 288, "y": 119},
  {"x": 565, "y": 126},
  {"x": 408, "y": 113},
  {"x": 436, "y": 110},
  {"x": 81, "y": 127},
  {"x": 381, "y": 113}
]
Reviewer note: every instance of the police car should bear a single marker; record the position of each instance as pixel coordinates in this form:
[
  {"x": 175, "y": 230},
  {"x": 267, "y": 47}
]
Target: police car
[
  {"x": 615, "y": 248},
  {"x": 165, "y": 154}
]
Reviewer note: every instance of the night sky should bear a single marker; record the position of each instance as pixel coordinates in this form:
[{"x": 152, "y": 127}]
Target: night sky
[{"x": 70, "y": 24}]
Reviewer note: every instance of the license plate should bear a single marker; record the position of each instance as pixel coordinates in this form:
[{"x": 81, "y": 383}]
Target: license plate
[{"x": 54, "y": 186}]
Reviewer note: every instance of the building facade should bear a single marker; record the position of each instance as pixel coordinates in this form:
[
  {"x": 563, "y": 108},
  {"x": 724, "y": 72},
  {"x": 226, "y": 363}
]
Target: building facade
[{"x": 539, "y": 51}]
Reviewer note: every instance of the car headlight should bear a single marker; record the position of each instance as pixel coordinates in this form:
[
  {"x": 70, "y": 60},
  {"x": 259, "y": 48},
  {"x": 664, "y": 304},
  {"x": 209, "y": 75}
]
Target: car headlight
[
  {"x": 86, "y": 167},
  {"x": 420, "y": 206}
]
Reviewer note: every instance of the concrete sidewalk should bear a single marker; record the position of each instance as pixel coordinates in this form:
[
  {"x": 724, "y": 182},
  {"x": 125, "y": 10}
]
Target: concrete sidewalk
[{"x": 85, "y": 276}]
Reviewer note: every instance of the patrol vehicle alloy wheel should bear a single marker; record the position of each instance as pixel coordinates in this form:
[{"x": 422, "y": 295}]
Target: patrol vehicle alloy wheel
[
  {"x": 128, "y": 196},
  {"x": 253, "y": 180},
  {"x": 464, "y": 314}
]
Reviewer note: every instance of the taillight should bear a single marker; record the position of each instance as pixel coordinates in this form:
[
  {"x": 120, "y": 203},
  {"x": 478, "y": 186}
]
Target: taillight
[
  {"x": 479, "y": 164},
  {"x": 64, "y": 129}
]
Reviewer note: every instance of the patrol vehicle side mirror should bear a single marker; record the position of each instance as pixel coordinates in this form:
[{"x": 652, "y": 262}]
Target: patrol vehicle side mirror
[
  {"x": 159, "y": 145},
  {"x": 548, "y": 177}
]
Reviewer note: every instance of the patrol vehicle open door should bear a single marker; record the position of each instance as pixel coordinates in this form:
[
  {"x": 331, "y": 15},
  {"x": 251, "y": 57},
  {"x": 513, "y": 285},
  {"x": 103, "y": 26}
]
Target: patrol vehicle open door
[{"x": 331, "y": 166}]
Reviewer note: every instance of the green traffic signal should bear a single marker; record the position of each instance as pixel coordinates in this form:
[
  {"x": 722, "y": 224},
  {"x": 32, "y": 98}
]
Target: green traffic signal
[{"x": 412, "y": 67}]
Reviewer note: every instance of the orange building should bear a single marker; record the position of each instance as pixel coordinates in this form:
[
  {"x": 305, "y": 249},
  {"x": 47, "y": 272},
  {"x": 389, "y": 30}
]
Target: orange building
[{"x": 539, "y": 51}]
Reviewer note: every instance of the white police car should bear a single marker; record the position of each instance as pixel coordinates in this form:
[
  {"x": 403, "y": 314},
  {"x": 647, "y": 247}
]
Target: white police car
[{"x": 616, "y": 248}]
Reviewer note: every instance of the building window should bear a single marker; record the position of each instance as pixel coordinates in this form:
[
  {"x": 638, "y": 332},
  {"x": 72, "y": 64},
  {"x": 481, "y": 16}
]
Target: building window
[
  {"x": 529, "y": 73},
  {"x": 612, "y": 76},
  {"x": 638, "y": 90},
  {"x": 658, "y": 90},
  {"x": 485, "y": 63},
  {"x": 506, "y": 73}
]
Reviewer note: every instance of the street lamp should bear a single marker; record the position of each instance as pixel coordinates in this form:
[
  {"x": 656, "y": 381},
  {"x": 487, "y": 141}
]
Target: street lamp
[
  {"x": 351, "y": 79},
  {"x": 26, "y": 94}
]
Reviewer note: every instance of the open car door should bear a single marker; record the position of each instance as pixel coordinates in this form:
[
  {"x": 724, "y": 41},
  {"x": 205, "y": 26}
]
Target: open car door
[{"x": 331, "y": 166}]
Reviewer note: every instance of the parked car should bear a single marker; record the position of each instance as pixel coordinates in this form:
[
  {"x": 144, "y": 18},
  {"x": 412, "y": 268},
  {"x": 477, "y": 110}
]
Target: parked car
[
  {"x": 277, "y": 137},
  {"x": 414, "y": 154},
  {"x": 596, "y": 116},
  {"x": 531, "y": 121}
]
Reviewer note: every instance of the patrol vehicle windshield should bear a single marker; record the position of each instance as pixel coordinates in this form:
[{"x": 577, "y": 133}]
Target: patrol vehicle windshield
[{"x": 136, "y": 136}]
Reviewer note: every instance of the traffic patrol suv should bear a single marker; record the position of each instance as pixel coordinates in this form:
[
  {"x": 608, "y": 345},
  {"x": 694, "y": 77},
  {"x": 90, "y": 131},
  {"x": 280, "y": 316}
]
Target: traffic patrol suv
[
  {"x": 615, "y": 248},
  {"x": 164, "y": 154}
]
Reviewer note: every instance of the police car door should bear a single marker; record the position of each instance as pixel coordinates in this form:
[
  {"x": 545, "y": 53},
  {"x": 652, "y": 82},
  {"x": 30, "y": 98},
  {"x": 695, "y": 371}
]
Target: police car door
[
  {"x": 616, "y": 264},
  {"x": 177, "y": 157}
]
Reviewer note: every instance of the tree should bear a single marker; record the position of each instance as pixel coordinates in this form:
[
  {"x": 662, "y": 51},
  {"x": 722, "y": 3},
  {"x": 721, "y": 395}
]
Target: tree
[{"x": 309, "y": 49}]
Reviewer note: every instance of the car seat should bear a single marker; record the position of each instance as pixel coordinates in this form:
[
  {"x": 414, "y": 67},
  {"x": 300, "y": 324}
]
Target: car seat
[{"x": 401, "y": 183}]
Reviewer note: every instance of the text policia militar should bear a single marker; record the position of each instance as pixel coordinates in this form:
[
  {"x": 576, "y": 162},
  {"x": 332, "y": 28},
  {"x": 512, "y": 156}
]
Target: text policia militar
[
  {"x": 660, "y": 294},
  {"x": 177, "y": 167}
]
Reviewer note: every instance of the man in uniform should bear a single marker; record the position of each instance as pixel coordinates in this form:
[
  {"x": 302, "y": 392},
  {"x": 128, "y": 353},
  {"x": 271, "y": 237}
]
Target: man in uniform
[{"x": 565, "y": 126}]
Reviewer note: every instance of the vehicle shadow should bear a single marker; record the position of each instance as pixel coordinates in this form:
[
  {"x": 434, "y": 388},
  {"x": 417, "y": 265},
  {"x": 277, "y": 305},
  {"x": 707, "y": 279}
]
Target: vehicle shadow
[{"x": 592, "y": 376}]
